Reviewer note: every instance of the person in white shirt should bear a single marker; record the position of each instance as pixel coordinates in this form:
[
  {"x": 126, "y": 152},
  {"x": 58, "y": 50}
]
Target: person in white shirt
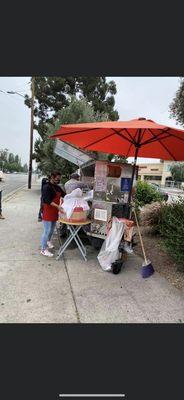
[{"x": 74, "y": 183}]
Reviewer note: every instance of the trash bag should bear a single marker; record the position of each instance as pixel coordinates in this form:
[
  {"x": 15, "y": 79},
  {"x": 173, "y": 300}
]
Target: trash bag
[{"x": 109, "y": 252}]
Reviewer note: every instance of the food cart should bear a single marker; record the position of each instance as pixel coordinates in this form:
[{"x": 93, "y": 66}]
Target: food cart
[{"x": 111, "y": 183}]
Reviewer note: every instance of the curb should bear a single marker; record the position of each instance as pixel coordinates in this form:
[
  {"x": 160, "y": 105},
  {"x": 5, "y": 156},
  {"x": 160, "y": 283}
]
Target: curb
[{"x": 11, "y": 194}]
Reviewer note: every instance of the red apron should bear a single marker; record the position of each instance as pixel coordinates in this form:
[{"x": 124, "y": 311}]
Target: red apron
[{"x": 50, "y": 213}]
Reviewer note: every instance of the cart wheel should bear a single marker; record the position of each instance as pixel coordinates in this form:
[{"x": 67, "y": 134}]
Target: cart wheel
[{"x": 116, "y": 266}]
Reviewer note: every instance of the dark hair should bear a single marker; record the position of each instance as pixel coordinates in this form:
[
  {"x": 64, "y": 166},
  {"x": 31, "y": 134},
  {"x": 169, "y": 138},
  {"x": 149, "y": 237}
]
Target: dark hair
[{"x": 55, "y": 173}]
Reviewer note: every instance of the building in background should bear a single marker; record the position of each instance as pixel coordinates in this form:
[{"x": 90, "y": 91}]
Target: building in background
[{"x": 158, "y": 173}]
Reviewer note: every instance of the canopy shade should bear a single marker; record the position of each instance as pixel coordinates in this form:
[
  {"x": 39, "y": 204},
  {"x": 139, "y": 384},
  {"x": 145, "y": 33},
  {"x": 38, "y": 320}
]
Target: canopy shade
[{"x": 141, "y": 137}]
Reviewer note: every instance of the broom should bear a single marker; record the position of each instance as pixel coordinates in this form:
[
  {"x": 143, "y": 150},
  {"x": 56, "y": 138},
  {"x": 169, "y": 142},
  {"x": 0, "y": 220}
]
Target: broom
[{"x": 147, "y": 268}]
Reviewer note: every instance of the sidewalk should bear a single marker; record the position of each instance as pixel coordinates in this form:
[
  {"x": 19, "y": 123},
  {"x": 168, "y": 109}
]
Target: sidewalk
[{"x": 34, "y": 288}]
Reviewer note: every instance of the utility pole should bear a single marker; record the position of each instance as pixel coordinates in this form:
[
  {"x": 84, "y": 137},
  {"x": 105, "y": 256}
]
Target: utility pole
[{"x": 31, "y": 132}]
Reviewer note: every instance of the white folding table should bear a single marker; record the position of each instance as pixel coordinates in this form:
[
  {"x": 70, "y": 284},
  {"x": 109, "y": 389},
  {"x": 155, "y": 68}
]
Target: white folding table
[{"x": 74, "y": 228}]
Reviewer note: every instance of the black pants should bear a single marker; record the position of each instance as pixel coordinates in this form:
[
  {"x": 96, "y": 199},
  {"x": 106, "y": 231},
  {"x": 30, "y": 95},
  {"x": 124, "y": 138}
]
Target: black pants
[{"x": 0, "y": 202}]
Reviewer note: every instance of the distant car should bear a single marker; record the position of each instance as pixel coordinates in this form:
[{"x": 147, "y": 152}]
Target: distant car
[{"x": 160, "y": 190}]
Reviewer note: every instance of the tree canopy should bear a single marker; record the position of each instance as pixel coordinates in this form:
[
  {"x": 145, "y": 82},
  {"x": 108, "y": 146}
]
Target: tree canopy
[
  {"x": 77, "y": 111},
  {"x": 177, "y": 105},
  {"x": 62, "y": 100},
  {"x": 54, "y": 93},
  {"x": 11, "y": 162},
  {"x": 177, "y": 172}
]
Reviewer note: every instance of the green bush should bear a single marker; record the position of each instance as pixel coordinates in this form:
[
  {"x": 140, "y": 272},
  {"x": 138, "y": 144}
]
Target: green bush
[
  {"x": 167, "y": 219},
  {"x": 171, "y": 228},
  {"x": 146, "y": 194}
]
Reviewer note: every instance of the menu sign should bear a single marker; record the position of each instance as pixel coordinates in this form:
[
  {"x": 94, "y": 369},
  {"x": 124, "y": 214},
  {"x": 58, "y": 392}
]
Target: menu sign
[{"x": 101, "y": 177}]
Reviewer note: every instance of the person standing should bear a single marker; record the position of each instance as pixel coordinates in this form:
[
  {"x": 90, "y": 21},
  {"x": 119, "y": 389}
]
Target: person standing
[
  {"x": 44, "y": 181},
  {"x": 52, "y": 193},
  {"x": 74, "y": 183},
  {"x": 1, "y": 216}
]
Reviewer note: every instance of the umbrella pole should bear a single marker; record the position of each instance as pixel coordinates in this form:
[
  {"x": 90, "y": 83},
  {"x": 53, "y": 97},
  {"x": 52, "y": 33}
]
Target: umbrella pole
[{"x": 133, "y": 174}]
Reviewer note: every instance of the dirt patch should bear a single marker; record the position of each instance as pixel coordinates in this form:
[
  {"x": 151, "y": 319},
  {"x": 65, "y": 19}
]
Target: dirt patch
[{"x": 162, "y": 262}]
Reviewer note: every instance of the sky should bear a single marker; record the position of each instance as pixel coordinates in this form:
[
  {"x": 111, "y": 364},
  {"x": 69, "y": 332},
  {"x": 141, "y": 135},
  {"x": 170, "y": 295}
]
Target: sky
[{"x": 147, "y": 97}]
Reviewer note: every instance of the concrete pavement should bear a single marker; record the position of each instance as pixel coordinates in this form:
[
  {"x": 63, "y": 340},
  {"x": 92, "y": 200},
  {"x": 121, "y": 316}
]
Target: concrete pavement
[{"x": 34, "y": 288}]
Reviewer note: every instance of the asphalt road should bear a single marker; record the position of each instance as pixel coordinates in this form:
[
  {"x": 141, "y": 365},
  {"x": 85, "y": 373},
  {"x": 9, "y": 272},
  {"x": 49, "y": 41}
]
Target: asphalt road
[{"x": 12, "y": 182}]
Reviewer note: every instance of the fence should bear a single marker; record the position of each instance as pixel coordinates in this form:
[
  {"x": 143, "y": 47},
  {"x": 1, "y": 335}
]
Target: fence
[{"x": 174, "y": 184}]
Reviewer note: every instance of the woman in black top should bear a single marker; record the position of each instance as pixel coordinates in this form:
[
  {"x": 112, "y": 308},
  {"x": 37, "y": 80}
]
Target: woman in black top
[{"x": 52, "y": 193}]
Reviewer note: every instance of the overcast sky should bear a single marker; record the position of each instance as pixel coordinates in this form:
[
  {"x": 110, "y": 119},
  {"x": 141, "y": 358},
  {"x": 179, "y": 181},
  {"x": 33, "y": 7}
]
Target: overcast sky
[{"x": 147, "y": 97}]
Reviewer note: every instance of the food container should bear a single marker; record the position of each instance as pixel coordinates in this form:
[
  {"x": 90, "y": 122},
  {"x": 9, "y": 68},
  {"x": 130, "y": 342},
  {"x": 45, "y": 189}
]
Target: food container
[{"x": 78, "y": 215}]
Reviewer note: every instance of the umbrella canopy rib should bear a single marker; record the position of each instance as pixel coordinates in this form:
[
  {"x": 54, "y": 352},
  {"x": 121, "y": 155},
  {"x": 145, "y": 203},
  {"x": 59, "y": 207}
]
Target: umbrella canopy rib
[
  {"x": 131, "y": 144},
  {"x": 80, "y": 131},
  {"x": 143, "y": 134},
  {"x": 163, "y": 145},
  {"x": 131, "y": 137},
  {"x": 97, "y": 141},
  {"x": 177, "y": 137},
  {"x": 119, "y": 133},
  {"x": 155, "y": 139}
]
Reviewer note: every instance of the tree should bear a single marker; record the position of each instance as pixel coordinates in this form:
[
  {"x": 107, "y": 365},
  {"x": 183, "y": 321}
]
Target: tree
[
  {"x": 117, "y": 158},
  {"x": 10, "y": 162},
  {"x": 100, "y": 94},
  {"x": 17, "y": 160},
  {"x": 51, "y": 94},
  {"x": 177, "y": 172},
  {"x": 77, "y": 111},
  {"x": 177, "y": 105},
  {"x": 11, "y": 158},
  {"x": 54, "y": 93},
  {"x": 3, "y": 158},
  {"x": 4, "y": 155},
  {"x": 25, "y": 168}
]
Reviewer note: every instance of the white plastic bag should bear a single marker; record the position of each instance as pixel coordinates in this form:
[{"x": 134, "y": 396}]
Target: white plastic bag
[
  {"x": 109, "y": 251},
  {"x": 75, "y": 193},
  {"x": 89, "y": 195},
  {"x": 72, "y": 200}
]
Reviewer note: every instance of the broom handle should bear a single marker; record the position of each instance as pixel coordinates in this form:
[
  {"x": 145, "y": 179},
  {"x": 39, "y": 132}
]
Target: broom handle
[{"x": 140, "y": 237}]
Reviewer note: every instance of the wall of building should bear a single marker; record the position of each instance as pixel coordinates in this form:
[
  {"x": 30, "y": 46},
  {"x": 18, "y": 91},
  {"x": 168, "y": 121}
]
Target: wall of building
[
  {"x": 155, "y": 173},
  {"x": 151, "y": 172}
]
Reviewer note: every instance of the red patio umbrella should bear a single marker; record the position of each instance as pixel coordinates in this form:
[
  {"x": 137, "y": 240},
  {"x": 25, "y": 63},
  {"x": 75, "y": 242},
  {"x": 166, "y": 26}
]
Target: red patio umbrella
[{"x": 138, "y": 137}]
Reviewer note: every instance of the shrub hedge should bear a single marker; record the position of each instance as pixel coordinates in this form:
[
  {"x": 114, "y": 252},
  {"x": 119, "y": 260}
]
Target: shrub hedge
[{"x": 171, "y": 228}]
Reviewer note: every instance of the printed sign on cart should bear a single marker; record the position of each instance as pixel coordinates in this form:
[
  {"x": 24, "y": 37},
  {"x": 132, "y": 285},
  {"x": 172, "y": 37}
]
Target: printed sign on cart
[
  {"x": 125, "y": 184},
  {"x": 100, "y": 177},
  {"x": 100, "y": 214}
]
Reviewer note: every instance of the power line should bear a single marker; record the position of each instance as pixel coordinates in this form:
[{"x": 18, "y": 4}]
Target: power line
[
  {"x": 15, "y": 98},
  {"x": 13, "y": 92}
]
